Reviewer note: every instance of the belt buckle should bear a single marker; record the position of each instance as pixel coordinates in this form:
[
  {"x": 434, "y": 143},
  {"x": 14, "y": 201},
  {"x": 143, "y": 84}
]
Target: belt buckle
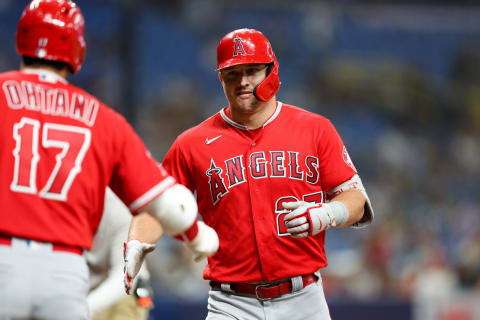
[{"x": 265, "y": 285}]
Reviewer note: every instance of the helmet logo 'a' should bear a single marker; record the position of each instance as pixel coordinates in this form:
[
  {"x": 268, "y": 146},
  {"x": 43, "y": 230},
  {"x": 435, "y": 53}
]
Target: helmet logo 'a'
[{"x": 238, "y": 47}]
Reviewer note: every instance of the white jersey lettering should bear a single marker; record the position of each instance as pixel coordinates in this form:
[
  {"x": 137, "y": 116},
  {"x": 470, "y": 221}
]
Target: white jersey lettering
[
  {"x": 50, "y": 101},
  {"x": 260, "y": 168}
]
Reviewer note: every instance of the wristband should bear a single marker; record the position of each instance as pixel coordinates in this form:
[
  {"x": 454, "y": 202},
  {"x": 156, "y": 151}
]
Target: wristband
[{"x": 339, "y": 213}]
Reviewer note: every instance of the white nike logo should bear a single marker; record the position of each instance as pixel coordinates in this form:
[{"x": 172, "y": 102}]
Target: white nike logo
[{"x": 208, "y": 141}]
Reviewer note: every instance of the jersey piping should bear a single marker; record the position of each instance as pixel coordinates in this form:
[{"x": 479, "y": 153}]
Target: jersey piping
[
  {"x": 152, "y": 193},
  {"x": 45, "y": 75},
  {"x": 241, "y": 126}
]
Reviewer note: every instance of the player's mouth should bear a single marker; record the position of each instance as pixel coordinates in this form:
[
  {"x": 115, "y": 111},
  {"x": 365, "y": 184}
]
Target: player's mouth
[{"x": 244, "y": 93}]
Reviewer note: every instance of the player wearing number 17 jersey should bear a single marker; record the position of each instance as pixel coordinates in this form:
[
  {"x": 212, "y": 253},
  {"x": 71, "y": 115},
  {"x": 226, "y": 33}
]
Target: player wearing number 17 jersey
[
  {"x": 60, "y": 148},
  {"x": 270, "y": 178}
]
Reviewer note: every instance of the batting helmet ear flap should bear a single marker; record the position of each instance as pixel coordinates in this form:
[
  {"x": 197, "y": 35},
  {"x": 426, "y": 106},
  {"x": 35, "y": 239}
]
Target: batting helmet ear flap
[{"x": 266, "y": 89}]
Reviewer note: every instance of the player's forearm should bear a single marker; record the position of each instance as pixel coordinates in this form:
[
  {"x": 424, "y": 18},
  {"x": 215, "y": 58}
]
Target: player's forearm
[
  {"x": 175, "y": 213},
  {"x": 354, "y": 201},
  {"x": 145, "y": 228}
]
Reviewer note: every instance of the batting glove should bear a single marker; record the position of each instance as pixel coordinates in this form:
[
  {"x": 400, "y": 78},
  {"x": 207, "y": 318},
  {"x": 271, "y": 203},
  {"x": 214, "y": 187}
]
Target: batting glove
[
  {"x": 308, "y": 219},
  {"x": 133, "y": 254},
  {"x": 205, "y": 243}
]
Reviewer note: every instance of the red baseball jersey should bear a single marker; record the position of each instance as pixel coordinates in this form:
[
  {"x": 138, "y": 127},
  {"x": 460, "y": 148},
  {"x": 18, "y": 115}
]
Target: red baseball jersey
[
  {"x": 60, "y": 148},
  {"x": 243, "y": 176}
]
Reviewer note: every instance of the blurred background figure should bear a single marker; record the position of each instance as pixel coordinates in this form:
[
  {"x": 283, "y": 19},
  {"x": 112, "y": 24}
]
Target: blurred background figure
[
  {"x": 407, "y": 71},
  {"x": 107, "y": 299}
]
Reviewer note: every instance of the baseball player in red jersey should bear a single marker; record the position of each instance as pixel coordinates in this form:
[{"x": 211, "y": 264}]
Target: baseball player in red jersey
[
  {"x": 60, "y": 148},
  {"x": 270, "y": 178}
]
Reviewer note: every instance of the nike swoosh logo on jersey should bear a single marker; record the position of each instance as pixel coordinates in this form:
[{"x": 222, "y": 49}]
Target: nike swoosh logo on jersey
[{"x": 208, "y": 141}]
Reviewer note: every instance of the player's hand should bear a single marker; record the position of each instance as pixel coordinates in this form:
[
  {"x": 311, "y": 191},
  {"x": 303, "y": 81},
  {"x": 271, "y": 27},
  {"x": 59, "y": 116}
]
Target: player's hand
[
  {"x": 133, "y": 254},
  {"x": 205, "y": 243},
  {"x": 307, "y": 219}
]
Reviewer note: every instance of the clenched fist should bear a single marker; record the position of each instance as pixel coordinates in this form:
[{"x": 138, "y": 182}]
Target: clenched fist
[
  {"x": 205, "y": 243},
  {"x": 307, "y": 219}
]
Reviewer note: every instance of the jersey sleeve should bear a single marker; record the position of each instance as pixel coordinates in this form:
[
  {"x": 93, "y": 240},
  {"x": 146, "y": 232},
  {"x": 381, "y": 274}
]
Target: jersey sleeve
[
  {"x": 137, "y": 177},
  {"x": 335, "y": 164},
  {"x": 176, "y": 165}
]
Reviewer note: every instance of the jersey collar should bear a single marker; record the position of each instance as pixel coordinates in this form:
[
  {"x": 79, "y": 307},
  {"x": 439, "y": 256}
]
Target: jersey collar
[
  {"x": 45, "y": 75},
  {"x": 241, "y": 126}
]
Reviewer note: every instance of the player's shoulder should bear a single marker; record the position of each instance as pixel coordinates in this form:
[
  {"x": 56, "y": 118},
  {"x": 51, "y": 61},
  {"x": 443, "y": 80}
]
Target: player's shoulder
[
  {"x": 9, "y": 75},
  {"x": 106, "y": 114},
  {"x": 75, "y": 89},
  {"x": 311, "y": 121},
  {"x": 303, "y": 114}
]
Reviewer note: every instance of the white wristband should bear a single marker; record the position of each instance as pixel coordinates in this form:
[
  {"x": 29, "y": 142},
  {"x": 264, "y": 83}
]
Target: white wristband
[{"x": 339, "y": 213}]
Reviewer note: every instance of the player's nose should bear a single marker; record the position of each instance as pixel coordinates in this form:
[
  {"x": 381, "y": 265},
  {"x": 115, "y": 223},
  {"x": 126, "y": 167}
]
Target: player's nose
[{"x": 244, "y": 80}]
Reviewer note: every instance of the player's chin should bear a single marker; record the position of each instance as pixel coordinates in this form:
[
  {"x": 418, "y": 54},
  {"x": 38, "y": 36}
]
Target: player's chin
[
  {"x": 243, "y": 105},
  {"x": 244, "y": 102},
  {"x": 248, "y": 102}
]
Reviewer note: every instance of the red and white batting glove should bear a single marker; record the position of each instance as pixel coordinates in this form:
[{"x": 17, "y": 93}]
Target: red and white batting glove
[
  {"x": 133, "y": 255},
  {"x": 309, "y": 219},
  {"x": 204, "y": 244}
]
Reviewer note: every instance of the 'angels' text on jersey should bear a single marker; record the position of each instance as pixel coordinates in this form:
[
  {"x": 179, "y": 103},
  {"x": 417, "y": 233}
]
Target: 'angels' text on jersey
[{"x": 272, "y": 164}]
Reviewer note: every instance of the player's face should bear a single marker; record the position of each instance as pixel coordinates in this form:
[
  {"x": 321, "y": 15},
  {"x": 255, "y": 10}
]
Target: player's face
[{"x": 238, "y": 83}]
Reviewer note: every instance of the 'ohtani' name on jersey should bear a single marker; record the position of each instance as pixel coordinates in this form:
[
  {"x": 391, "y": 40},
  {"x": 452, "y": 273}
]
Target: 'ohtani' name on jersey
[
  {"x": 271, "y": 164},
  {"x": 52, "y": 101}
]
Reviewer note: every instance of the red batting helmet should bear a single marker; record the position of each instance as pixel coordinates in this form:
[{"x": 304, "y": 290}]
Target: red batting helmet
[
  {"x": 244, "y": 46},
  {"x": 52, "y": 30}
]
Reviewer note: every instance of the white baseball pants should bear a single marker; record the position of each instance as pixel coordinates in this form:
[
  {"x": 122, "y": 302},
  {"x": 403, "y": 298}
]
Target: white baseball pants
[
  {"x": 37, "y": 282},
  {"x": 306, "y": 304}
]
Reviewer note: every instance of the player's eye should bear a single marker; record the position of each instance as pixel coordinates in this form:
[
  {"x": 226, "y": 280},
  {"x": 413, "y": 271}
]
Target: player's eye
[
  {"x": 255, "y": 69},
  {"x": 231, "y": 74}
]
